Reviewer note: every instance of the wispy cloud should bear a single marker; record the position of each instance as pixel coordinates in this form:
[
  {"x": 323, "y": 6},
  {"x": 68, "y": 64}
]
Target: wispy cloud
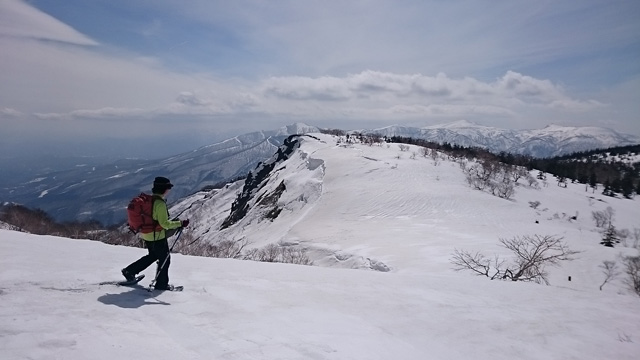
[
  {"x": 10, "y": 113},
  {"x": 19, "y": 20}
]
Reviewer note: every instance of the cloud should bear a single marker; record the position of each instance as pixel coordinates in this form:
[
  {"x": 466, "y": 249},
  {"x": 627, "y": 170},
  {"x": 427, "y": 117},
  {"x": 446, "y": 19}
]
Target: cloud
[
  {"x": 518, "y": 85},
  {"x": 10, "y": 113},
  {"x": 365, "y": 95},
  {"x": 102, "y": 113},
  {"x": 190, "y": 99},
  {"x": 319, "y": 57},
  {"x": 410, "y": 89},
  {"x": 325, "y": 88},
  {"x": 19, "y": 20},
  {"x": 451, "y": 111}
]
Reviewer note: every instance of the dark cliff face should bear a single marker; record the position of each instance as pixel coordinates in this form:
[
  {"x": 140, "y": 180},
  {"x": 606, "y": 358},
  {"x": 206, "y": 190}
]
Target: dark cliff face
[{"x": 257, "y": 178}]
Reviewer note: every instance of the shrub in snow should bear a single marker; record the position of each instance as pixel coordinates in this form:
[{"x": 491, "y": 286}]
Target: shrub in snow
[
  {"x": 492, "y": 176},
  {"x": 279, "y": 253},
  {"x": 503, "y": 189},
  {"x": 220, "y": 249}
]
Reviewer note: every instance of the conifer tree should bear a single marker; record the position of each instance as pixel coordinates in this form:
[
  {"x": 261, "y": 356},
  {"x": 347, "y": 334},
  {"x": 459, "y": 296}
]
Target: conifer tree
[{"x": 610, "y": 237}]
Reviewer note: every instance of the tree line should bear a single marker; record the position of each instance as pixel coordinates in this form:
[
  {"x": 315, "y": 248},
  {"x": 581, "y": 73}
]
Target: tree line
[
  {"x": 613, "y": 168},
  {"x": 37, "y": 221}
]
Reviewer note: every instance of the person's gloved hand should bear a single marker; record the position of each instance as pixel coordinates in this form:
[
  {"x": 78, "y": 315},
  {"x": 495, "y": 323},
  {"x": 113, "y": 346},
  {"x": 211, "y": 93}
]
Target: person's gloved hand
[{"x": 185, "y": 223}]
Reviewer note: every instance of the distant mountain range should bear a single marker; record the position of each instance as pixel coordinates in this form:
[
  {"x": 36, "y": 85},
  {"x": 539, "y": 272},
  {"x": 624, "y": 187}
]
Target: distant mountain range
[
  {"x": 102, "y": 191},
  {"x": 552, "y": 140}
]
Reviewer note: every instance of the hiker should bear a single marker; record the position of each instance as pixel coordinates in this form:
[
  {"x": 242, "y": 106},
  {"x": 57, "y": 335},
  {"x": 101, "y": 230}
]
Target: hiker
[{"x": 156, "y": 240}]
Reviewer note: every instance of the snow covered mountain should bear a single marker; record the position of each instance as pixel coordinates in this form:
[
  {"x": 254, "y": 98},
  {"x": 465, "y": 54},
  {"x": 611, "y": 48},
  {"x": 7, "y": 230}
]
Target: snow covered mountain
[
  {"x": 388, "y": 210},
  {"x": 328, "y": 198},
  {"x": 553, "y": 140},
  {"x": 102, "y": 192}
]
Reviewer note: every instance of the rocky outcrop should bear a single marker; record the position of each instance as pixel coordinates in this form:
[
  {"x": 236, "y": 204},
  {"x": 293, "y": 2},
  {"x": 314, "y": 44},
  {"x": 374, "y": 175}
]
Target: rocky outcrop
[{"x": 256, "y": 179}]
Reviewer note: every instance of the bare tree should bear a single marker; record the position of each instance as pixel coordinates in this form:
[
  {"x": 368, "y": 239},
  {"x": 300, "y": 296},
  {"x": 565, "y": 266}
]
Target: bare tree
[
  {"x": 518, "y": 172},
  {"x": 230, "y": 249},
  {"x": 532, "y": 181},
  {"x": 610, "y": 270},
  {"x": 531, "y": 255},
  {"x": 116, "y": 237},
  {"x": 425, "y": 151},
  {"x": 492, "y": 176},
  {"x": 463, "y": 165},
  {"x": 503, "y": 188},
  {"x": 623, "y": 235},
  {"x": 295, "y": 255},
  {"x": 478, "y": 263},
  {"x": 224, "y": 248},
  {"x": 632, "y": 269},
  {"x": 603, "y": 218},
  {"x": 636, "y": 237},
  {"x": 269, "y": 253},
  {"x": 435, "y": 156},
  {"x": 279, "y": 253},
  {"x": 474, "y": 177}
]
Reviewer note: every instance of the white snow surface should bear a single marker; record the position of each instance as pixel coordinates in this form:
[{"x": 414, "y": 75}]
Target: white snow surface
[{"x": 372, "y": 203}]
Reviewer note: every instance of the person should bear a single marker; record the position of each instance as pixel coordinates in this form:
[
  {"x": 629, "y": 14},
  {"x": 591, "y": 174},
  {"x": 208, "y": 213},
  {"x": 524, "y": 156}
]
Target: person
[{"x": 156, "y": 241}]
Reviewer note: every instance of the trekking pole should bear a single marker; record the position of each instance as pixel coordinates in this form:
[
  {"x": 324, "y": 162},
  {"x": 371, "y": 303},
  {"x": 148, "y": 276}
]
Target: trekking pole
[{"x": 164, "y": 261}]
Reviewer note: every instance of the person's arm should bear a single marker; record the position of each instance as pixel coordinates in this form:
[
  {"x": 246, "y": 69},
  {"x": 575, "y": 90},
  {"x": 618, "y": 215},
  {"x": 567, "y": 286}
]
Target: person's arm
[{"x": 162, "y": 216}]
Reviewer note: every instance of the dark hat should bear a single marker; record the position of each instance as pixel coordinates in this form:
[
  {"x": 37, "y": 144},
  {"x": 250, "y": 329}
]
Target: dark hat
[{"x": 161, "y": 184}]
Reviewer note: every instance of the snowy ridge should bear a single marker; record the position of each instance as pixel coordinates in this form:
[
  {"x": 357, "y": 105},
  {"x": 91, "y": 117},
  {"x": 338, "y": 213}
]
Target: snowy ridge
[
  {"x": 352, "y": 206},
  {"x": 346, "y": 204}
]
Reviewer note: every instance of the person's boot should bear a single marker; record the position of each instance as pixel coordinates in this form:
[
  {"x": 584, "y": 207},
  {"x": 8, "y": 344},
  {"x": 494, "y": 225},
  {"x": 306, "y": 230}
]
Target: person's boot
[
  {"x": 128, "y": 275},
  {"x": 164, "y": 287}
]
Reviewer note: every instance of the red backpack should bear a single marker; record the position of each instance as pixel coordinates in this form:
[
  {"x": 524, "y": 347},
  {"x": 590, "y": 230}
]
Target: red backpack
[{"x": 140, "y": 214}]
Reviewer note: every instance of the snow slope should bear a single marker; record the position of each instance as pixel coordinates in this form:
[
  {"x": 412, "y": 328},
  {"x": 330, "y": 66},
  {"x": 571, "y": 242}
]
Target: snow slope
[
  {"x": 53, "y": 308},
  {"x": 350, "y": 206}
]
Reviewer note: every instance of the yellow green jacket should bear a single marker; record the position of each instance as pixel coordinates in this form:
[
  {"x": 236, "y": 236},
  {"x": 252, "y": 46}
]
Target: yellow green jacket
[{"x": 161, "y": 215}]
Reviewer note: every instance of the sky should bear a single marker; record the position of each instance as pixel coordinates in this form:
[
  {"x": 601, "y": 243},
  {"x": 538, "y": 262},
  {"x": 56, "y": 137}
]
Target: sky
[{"x": 120, "y": 77}]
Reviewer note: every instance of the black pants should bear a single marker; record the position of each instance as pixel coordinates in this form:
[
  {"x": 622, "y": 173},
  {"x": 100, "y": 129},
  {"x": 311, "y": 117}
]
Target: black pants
[{"x": 158, "y": 251}]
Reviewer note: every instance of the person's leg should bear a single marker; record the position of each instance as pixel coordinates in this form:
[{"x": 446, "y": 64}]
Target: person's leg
[
  {"x": 141, "y": 264},
  {"x": 160, "y": 249}
]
